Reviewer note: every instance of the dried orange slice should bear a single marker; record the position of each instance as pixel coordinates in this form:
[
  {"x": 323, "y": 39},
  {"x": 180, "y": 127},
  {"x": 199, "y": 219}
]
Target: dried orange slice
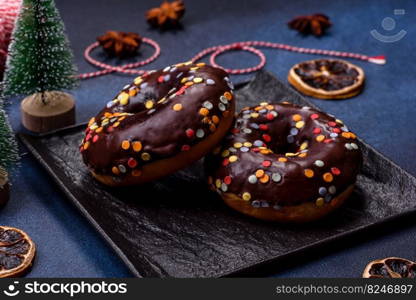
[
  {"x": 17, "y": 252},
  {"x": 327, "y": 78},
  {"x": 390, "y": 267}
]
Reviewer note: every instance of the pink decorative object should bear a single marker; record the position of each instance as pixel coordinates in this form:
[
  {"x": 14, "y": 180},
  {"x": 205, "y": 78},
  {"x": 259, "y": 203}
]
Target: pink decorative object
[
  {"x": 9, "y": 10},
  {"x": 250, "y": 46}
]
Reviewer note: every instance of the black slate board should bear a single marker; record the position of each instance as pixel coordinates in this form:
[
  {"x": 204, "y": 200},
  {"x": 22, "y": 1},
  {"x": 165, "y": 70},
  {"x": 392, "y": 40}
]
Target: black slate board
[{"x": 176, "y": 227}]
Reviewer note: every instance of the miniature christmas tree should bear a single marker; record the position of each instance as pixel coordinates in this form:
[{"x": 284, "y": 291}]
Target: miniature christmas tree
[
  {"x": 8, "y": 153},
  {"x": 8, "y": 148},
  {"x": 40, "y": 63}
]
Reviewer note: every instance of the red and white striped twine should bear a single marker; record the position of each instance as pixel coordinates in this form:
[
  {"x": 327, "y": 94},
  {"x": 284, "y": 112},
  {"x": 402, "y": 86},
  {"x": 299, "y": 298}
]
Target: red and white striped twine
[{"x": 217, "y": 50}]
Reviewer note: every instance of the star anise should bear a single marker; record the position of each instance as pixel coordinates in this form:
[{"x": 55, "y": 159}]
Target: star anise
[
  {"x": 120, "y": 44},
  {"x": 167, "y": 15},
  {"x": 315, "y": 24}
]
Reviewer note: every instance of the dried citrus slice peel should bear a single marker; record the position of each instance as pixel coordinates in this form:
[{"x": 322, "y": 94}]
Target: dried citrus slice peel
[
  {"x": 327, "y": 78},
  {"x": 390, "y": 267},
  {"x": 17, "y": 252}
]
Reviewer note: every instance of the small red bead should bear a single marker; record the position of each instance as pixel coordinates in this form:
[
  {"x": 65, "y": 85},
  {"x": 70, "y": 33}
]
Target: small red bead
[
  {"x": 314, "y": 116},
  {"x": 160, "y": 79},
  {"x": 317, "y": 130},
  {"x": 255, "y": 149},
  {"x": 132, "y": 163},
  {"x": 181, "y": 90},
  {"x": 227, "y": 179},
  {"x": 332, "y": 124},
  {"x": 327, "y": 141},
  {"x": 266, "y": 137},
  {"x": 263, "y": 127},
  {"x": 225, "y": 162},
  {"x": 270, "y": 116},
  {"x": 266, "y": 163},
  {"x": 336, "y": 130},
  {"x": 190, "y": 132},
  {"x": 235, "y": 130},
  {"x": 185, "y": 148},
  {"x": 110, "y": 129},
  {"x": 95, "y": 138},
  {"x": 335, "y": 171},
  {"x": 88, "y": 137}
]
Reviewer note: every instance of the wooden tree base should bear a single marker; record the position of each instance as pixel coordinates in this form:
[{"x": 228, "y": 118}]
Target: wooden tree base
[
  {"x": 4, "y": 187},
  {"x": 43, "y": 112}
]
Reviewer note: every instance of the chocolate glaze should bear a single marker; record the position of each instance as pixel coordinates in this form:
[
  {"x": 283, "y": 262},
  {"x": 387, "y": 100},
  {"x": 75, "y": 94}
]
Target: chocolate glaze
[
  {"x": 340, "y": 156},
  {"x": 161, "y": 130}
]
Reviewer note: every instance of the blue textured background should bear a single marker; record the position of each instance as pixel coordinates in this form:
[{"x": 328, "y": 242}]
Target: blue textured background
[{"x": 383, "y": 115}]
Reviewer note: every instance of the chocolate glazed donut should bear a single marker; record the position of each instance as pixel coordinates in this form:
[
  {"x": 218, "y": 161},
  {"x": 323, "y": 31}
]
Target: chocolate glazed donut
[
  {"x": 163, "y": 121},
  {"x": 285, "y": 163}
]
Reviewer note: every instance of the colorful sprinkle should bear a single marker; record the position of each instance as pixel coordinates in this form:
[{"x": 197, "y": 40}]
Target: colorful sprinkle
[
  {"x": 322, "y": 191},
  {"x": 204, "y": 111},
  {"x": 137, "y": 146},
  {"x": 332, "y": 189},
  {"x": 185, "y": 148},
  {"x": 125, "y": 145},
  {"x": 320, "y": 201},
  {"x": 210, "y": 81},
  {"x": 122, "y": 168},
  {"x": 314, "y": 116},
  {"x": 200, "y": 133},
  {"x": 266, "y": 163},
  {"x": 252, "y": 179},
  {"x": 267, "y": 138},
  {"x": 264, "y": 179},
  {"x": 123, "y": 98},
  {"x": 319, "y": 163},
  {"x": 335, "y": 171},
  {"x": 136, "y": 173},
  {"x": 320, "y": 138},
  {"x": 300, "y": 124},
  {"x": 282, "y": 159},
  {"x": 308, "y": 173},
  {"x": 145, "y": 156},
  {"x": 276, "y": 177},
  {"x": 227, "y": 179},
  {"x": 246, "y": 196},
  {"x": 115, "y": 170},
  {"x": 177, "y": 107},
  {"x": 303, "y": 146},
  {"x": 132, "y": 163},
  {"x": 233, "y": 158},
  {"x": 328, "y": 177},
  {"x": 296, "y": 117},
  {"x": 317, "y": 130},
  {"x": 149, "y": 104},
  {"x": 228, "y": 96},
  {"x": 259, "y": 173}
]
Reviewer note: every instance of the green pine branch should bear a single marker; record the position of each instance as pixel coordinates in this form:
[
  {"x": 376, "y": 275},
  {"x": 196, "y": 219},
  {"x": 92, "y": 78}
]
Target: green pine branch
[
  {"x": 40, "y": 58},
  {"x": 8, "y": 145}
]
